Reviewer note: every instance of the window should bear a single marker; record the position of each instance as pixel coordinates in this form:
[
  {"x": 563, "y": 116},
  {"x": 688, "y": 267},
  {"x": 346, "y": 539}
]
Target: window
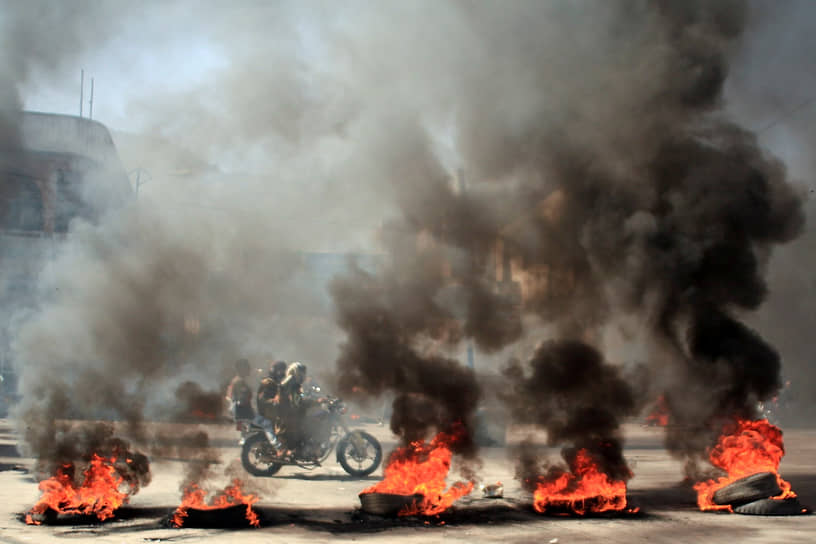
[{"x": 21, "y": 205}]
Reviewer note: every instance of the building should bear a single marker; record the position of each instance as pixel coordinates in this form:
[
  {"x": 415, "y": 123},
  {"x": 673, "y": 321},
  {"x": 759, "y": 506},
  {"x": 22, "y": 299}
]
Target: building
[{"x": 53, "y": 169}]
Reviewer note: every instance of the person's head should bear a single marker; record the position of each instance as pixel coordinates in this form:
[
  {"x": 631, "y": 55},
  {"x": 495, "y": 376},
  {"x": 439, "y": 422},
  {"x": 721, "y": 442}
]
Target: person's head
[
  {"x": 242, "y": 367},
  {"x": 296, "y": 373},
  {"x": 277, "y": 371}
]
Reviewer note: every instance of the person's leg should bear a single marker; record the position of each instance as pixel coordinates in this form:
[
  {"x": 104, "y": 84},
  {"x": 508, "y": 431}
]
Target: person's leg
[{"x": 269, "y": 430}]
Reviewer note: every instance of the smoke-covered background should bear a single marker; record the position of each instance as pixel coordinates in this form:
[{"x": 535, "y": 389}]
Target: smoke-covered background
[{"x": 631, "y": 166}]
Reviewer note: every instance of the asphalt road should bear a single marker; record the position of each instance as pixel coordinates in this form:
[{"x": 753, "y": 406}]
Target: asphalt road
[{"x": 321, "y": 506}]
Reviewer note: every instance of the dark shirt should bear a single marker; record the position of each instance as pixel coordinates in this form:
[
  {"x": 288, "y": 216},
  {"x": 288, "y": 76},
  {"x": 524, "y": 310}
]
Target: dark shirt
[{"x": 268, "y": 398}]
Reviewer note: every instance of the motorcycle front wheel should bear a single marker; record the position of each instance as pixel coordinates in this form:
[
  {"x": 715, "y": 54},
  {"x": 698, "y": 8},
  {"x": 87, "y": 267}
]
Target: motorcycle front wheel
[
  {"x": 255, "y": 454},
  {"x": 359, "y": 453}
]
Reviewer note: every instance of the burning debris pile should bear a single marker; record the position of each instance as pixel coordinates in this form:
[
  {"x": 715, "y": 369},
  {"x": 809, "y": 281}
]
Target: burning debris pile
[
  {"x": 200, "y": 507},
  {"x": 749, "y": 453},
  {"x": 659, "y": 416},
  {"x": 581, "y": 490},
  {"x": 195, "y": 507},
  {"x": 433, "y": 393},
  {"x": 99, "y": 493},
  {"x": 579, "y": 400},
  {"x": 419, "y": 471},
  {"x": 196, "y": 404},
  {"x": 95, "y": 486}
]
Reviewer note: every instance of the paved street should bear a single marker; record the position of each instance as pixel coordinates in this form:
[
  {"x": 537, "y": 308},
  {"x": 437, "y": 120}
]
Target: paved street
[{"x": 320, "y": 506}]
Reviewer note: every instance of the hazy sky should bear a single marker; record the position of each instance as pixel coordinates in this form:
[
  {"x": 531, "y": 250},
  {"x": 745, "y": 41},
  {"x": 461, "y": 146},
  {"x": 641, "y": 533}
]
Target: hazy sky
[
  {"x": 190, "y": 74},
  {"x": 152, "y": 55}
]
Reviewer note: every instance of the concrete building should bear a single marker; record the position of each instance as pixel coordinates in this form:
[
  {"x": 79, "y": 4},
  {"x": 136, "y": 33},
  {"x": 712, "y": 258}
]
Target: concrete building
[{"x": 53, "y": 169}]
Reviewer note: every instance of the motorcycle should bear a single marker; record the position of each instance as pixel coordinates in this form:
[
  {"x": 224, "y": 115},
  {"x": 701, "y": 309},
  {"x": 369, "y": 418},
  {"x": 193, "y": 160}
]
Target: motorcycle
[{"x": 358, "y": 452}]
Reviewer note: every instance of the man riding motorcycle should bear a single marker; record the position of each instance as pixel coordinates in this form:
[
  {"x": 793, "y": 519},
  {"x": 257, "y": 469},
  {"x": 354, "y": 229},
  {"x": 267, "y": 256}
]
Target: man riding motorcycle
[
  {"x": 307, "y": 429},
  {"x": 294, "y": 405}
]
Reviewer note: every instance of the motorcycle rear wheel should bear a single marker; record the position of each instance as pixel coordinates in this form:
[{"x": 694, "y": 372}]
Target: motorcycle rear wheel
[
  {"x": 362, "y": 449},
  {"x": 256, "y": 448}
]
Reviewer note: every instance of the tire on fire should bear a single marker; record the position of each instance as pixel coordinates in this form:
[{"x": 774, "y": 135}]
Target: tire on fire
[
  {"x": 255, "y": 446},
  {"x": 749, "y": 489}
]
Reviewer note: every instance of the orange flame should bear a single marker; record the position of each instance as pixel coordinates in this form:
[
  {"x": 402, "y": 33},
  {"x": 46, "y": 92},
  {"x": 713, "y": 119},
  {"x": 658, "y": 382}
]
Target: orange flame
[
  {"x": 745, "y": 448},
  {"x": 421, "y": 468},
  {"x": 100, "y": 493},
  {"x": 201, "y": 414},
  {"x": 660, "y": 414},
  {"x": 196, "y": 498},
  {"x": 586, "y": 489}
]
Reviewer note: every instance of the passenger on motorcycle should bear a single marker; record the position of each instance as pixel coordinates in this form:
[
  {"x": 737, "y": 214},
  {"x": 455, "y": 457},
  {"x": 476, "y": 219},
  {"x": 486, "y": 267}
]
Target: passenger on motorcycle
[{"x": 294, "y": 404}]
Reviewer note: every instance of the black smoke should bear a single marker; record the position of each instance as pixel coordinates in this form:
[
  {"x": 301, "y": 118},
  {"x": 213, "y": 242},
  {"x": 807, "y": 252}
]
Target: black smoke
[
  {"x": 567, "y": 389},
  {"x": 386, "y": 320},
  {"x": 619, "y": 189},
  {"x": 75, "y": 445}
]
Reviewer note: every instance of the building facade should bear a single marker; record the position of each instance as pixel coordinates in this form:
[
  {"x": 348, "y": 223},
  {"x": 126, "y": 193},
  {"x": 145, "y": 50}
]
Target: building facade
[{"x": 53, "y": 169}]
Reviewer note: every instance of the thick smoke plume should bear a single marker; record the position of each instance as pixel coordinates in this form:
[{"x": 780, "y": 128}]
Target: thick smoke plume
[
  {"x": 579, "y": 399},
  {"x": 621, "y": 195},
  {"x": 385, "y": 321},
  {"x": 608, "y": 195},
  {"x": 771, "y": 87}
]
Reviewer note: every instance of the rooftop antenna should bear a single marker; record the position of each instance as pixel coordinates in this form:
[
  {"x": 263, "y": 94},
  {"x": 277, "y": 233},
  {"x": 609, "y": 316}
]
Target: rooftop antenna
[
  {"x": 81, "y": 88},
  {"x": 90, "y": 102}
]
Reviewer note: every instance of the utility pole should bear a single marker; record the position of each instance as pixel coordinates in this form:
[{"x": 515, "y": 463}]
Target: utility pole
[
  {"x": 139, "y": 182},
  {"x": 81, "y": 89},
  {"x": 90, "y": 102}
]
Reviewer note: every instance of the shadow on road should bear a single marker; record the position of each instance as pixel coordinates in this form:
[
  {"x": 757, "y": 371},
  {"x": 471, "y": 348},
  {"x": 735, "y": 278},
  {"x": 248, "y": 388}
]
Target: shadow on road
[{"x": 328, "y": 477}]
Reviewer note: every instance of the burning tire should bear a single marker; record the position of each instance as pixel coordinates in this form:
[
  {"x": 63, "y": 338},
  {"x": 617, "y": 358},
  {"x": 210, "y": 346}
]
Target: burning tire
[
  {"x": 387, "y": 504},
  {"x": 359, "y": 453},
  {"x": 255, "y": 456},
  {"x": 749, "y": 489},
  {"x": 772, "y": 507}
]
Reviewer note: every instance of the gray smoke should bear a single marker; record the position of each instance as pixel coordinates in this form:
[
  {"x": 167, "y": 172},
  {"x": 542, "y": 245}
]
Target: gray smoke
[
  {"x": 138, "y": 315},
  {"x": 603, "y": 172}
]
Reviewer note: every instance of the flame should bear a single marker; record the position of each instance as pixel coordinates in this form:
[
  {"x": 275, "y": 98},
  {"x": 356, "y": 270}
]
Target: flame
[
  {"x": 660, "y": 414},
  {"x": 100, "y": 493},
  {"x": 585, "y": 489},
  {"x": 196, "y": 498},
  {"x": 421, "y": 468},
  {"x": 201, "y": 414},
  {"x": 745, "y": 447}
]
